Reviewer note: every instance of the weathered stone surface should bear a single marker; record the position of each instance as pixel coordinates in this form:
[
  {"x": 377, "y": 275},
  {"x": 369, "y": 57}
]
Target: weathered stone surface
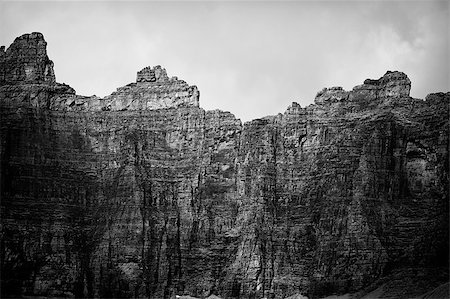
[
  {"x": 153, "y": 90},
  {"x": 144, "y": 194},
  {"x": 392, "y": 84},
  {"x": 26, "y": 61}
]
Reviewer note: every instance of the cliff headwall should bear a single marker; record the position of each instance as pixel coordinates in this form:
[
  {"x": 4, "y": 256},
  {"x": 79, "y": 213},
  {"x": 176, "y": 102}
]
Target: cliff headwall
[{"x": 145, "y": 194}]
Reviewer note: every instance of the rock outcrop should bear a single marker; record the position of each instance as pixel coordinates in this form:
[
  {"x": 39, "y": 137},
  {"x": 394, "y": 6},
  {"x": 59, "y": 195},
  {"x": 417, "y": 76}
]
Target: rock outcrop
[
  {"x": 26, "y": 61},
  {"x": 153, "y": 90},
  {"x": 150, "y": 92},
  {"x": 145, "y": 194}
]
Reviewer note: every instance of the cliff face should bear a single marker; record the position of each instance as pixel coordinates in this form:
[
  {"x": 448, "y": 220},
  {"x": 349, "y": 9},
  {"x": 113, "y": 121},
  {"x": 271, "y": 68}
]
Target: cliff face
[{"x": 143, "y": 193}]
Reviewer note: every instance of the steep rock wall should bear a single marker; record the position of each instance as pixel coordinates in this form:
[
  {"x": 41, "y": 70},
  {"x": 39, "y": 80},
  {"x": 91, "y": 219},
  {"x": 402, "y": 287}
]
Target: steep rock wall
[{"x": 144, "y": 194}]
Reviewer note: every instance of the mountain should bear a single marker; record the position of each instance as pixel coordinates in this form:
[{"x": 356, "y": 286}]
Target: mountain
[{"x": 145, "y": 194}]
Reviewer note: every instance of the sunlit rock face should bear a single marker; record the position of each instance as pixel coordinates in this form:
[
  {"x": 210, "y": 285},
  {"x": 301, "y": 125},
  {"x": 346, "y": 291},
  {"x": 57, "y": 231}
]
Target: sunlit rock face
[
  {"x": 153, "y": 90},
  {"x": 144, "y": 194}
]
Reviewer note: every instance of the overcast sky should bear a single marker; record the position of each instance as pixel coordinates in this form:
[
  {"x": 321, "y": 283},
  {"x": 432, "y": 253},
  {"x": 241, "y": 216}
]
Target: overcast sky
[{"x": 250, "y": 58}]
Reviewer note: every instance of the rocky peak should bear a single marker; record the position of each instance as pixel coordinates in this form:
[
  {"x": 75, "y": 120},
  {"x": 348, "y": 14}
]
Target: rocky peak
[
  {"x": 26, "y": 61},
  {"x": 153, "y": 90},
  {"x": 392, "y": 84},
  {"x": 149, "y": 74}
]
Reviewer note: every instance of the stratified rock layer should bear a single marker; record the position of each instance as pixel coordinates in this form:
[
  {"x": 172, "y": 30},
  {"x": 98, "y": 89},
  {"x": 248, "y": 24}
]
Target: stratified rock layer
[{"x": 144, "y": 194}]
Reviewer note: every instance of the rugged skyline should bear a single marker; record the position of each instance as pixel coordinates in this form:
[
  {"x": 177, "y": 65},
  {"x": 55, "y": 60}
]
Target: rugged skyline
[
  {"x": 145, "y": 194},
  {"x": 250, "y": 58}
]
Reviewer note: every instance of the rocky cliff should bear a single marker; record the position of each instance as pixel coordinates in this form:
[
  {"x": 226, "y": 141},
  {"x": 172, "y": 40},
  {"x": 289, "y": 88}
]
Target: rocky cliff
[{"x": 145, "y": 194}]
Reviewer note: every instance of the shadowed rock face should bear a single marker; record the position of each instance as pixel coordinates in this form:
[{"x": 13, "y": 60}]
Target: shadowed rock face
[
  {"x": 144, "y": 194},
  {"x": 26, "y": 61}
]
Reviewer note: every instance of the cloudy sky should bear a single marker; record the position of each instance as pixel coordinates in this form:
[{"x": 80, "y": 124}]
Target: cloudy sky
[{"x": 251, "y": 58}]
